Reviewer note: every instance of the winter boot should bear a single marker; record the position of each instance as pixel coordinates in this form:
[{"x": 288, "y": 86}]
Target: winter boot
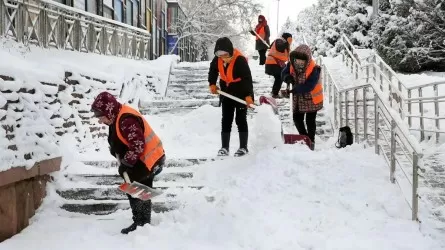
[
  {"x": 243, "y": 137},
  {"x": 241, "y": 152},
  {"x": 131, "y": 228},
  {"x": 223, "y": 152},
  {"x": 225, "y": 142}
]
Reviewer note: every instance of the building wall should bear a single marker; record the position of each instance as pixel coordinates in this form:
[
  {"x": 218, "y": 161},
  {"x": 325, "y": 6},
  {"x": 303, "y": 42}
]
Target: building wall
[{"x": 150, "y": 15}]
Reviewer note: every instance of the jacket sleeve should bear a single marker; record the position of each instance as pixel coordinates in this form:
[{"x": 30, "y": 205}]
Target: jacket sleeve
[
  {"x": 213, "y": 71},
  {"x": 267, "y": 31},
  {"x": 285, "y": 72},
  {"x": 133, "y": 132},
  {"x": 245, "y": 75},
  {"x": 310, "y": 83}
]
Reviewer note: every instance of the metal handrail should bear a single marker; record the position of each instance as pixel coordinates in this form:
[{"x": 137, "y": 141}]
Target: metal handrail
[
  {"x": 393, "y": 140},
  {"x": 50, "y": 24},
  {"x": 400, "y": 92}
]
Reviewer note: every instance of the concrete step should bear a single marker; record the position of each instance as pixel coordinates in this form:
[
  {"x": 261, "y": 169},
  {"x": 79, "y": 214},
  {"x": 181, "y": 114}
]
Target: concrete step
[
  {"x": 117, "y": 180},
  {"x": 111, "y": 207},
  {"x": 113, "y": 193},
  {"x": 169, "y": 163}
]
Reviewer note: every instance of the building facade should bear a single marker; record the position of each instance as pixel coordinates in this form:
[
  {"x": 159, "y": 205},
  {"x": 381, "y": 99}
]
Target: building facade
[{"x": 155, "y": 16}]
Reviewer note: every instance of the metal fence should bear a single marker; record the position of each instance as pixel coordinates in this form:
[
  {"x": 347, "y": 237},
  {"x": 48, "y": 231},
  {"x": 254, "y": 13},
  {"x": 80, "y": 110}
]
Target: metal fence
[
  {"x": 366, "y": 111},
  {"x": 418, "y": 105},
  {"x": 50, "y": 24}
]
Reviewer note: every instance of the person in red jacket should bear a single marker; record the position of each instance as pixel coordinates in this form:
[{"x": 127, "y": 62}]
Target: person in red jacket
[
  {"x": 236, "y": 80},
  {"x": 262, "y": 29},
  {"x": 135, "y": 145}
]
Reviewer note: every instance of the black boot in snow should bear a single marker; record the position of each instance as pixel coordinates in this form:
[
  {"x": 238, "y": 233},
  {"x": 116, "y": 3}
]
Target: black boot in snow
[
  {"x": 223, "y": 152},
  {"x": 131, "y": 228},
  {"x": 225, "y": 141},
  {"x": 241, "y": 152}
]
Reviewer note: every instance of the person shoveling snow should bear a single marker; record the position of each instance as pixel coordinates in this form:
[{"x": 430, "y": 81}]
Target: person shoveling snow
[{"x": 138, "y": 150}]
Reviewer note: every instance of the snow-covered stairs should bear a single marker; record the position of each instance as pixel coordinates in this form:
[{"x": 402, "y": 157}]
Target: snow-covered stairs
[
  {"x": 99, "y": 194},
  {"x": 188, "y": 89}
]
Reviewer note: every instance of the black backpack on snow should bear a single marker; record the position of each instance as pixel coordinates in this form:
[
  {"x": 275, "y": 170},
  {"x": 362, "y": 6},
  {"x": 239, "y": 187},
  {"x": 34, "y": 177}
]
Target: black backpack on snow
[{"x": 344, "y": 137}]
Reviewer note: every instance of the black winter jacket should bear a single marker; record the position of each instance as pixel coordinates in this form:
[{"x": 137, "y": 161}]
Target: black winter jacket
[{"x": 240, "y": 89}]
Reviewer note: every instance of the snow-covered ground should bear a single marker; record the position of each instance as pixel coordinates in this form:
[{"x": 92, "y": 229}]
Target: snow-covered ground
[{"x": 277, "y": 197}]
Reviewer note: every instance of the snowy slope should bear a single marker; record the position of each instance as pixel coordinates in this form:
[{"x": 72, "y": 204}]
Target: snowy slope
[
  {"x": 286, "y": 197},
  {"x": 47, "y": 93},
  {"x": 278, "y": 197}
]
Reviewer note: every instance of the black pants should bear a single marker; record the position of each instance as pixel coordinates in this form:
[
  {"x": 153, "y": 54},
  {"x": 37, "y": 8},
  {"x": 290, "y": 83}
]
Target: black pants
[
  {"x": 276, "y": 84},
  {"x": 229, "y": 109},
  {"x": 310, "y": 124},
  {"x": 262, "y": 54},
  {"x": 140, "y": 209}
]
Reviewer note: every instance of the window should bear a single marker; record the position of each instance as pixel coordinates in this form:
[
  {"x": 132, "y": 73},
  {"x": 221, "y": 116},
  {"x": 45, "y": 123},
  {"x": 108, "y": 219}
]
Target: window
[
  {"x": 143, "y": 17},
  {"x": 79, "y": 4},
  {"x": 129, "y": 6},
  {"x": 92, "y": 6},
  {"x": 135, "y": 11},
  {"x": 118, "y": 10},
  {"x": 108, "y": 9}
]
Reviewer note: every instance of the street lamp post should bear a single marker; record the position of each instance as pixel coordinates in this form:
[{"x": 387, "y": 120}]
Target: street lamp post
[{"x": 278, "y": 12}]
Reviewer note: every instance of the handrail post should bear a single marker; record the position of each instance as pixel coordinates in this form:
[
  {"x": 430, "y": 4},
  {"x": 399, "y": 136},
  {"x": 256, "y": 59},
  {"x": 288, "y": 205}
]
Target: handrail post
[
  {"x": 376, "y": 125},
  {"x": 393, "y": 152},
  {"x": 415, "y": 198}
]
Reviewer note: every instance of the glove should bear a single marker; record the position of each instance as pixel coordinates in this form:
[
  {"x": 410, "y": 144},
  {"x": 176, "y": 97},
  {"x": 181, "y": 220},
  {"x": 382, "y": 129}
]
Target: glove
[
  {"x": 213, "y": 89},
  {"x": 249, "y": 101},
  {"x": 288, "y": 79},
  {"x": 124, "y": 168}
]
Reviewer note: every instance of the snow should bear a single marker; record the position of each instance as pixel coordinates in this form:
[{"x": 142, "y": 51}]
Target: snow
[
  {"x": 286, "y": 197},
  {"x": 38, "y": 111},
  {"x": 277, "y": 197}
]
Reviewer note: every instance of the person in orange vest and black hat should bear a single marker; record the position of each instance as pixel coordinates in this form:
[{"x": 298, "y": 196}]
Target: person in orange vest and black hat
[
  {"x": 304, "y": 74},
  {"x": 263, "y": 31},
  {"x": 236, "y": 80},
  {"x": 135, "y": 145},
  {"x": 276, "y": 60}
]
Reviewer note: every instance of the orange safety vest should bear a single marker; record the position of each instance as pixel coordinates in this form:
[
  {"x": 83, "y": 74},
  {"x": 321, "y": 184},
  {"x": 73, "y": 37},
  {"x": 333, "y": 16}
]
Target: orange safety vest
[
  {"x": 153, "y": 150},
  {"x": 275, "y": 55},
  {"x": 262, "y": 34},
  {"x": 228, "y": 78},
  {"x": 317, "y": 92}
]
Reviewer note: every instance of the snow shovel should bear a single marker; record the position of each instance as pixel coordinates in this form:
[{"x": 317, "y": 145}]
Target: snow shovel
[
  {"x": 294, "y": 138},
  {"x": 235, "y": 98},
  {"x": 262, "y": 40},
  {"x": 138, "y": 190}
]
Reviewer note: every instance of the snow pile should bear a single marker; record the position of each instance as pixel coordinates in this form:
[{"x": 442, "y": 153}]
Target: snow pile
[
  {"x": 283, "y": 198},
  {"x": 45, "y": 93}
]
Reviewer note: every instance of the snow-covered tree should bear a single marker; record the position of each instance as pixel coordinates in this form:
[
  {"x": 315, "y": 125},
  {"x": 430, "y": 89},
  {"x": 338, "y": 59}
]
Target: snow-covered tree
[
  {"x": 207, "y": 20},
  {"x": 429, "y": 15}
]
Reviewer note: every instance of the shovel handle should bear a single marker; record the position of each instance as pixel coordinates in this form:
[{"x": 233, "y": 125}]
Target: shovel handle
[
  {"x": 235, "y": 98},
  {"x": 126, "y": 178}
]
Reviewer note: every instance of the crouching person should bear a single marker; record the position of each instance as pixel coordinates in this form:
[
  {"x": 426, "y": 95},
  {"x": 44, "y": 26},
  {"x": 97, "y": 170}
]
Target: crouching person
[
  {"x": 304, "y": 74},
  {"x": 135, "y": 145}
]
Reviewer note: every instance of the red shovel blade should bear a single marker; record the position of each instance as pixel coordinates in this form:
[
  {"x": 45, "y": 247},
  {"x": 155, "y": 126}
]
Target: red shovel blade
[
  {"x": 292, "y": 139},
  {"x": 271, "y": 101},
  {"x": 139, "y": 191}
]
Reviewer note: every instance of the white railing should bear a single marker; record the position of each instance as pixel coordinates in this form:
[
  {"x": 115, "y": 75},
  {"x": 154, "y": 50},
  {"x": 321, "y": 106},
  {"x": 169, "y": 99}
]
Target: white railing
[
  {"x": 399, "y": 96},
  {"x": 366, "y": 110},
  {"x": 50, "y": 24}
]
